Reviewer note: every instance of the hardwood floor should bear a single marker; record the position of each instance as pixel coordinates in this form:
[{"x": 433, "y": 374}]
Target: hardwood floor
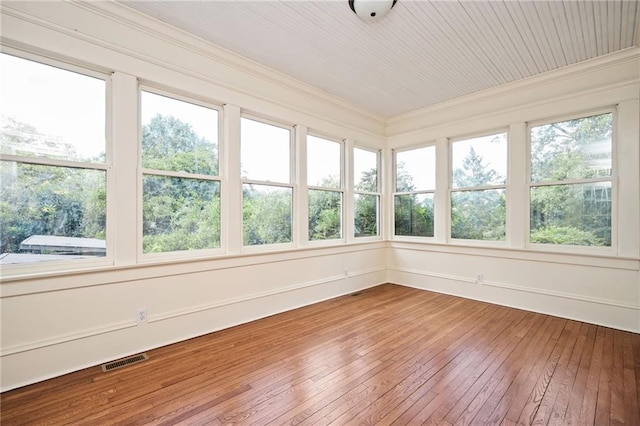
[{"x": 390, "y": 355}]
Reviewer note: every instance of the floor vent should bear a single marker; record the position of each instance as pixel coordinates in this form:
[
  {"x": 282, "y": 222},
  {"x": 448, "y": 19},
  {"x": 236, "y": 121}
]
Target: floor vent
[
  {"x": 133, "y": 359},
  {"x": 357, "y": 293}
]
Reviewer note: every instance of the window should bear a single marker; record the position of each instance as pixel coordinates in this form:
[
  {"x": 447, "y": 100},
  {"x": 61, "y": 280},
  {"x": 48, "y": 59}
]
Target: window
[
  {"x": 366, "y": 193},
  {"x": 478, "y": 181},
  {"x": 267, "y": 192},
  {"x": 324, "y": 180},
  {"x": 571, "y": 181},
  {"x": 415, "y": 184},
  {"x": 53, "y": 191},
  {"x": 180, "y": 183}
]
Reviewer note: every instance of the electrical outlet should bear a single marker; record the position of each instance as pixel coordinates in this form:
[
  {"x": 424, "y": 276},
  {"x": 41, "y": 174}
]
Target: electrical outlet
[
  {"x": 479, "y": 278},
  {"x": 141, "y": 316},
  {"x": 346, "y": 273}
]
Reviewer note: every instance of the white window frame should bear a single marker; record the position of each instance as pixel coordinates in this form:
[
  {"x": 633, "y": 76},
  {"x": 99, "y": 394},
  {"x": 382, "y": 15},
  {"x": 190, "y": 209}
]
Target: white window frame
[
  {"x": 292, "y": 184},
  {"x": 394, "y": 183},
  {"x": 574, "y": 249},
  {"x": 340, "y": 189},
  {"x": 181, "y": 254},
  {"x": 451, "y": 189},
  {"x": 36, "y": 268},
  {"x": 378, "y": 194}
]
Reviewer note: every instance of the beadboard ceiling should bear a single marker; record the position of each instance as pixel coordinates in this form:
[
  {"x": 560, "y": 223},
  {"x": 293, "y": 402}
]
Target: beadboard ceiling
[{"x": 423, "y": 53}]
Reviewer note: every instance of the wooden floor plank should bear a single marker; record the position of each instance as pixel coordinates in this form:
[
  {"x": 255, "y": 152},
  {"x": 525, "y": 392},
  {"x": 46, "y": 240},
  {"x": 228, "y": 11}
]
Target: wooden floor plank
[{"x": 391, "y": 355}]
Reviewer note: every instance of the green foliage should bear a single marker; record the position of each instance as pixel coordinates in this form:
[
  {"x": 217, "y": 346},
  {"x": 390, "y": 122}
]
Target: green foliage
[
  {"x": 325, "y": 215},
  {"x": 172, "y": 145},
  {"x": 565, "y": 235},
  {"x": 366, "y": 215},
  {"x": 266, "y": 215},
  {"x": 46, "y": 200},
  {"x": 414, "y": 215},
  {"x": 478, "y": 215},
  {"x": 574, "y": 149}
]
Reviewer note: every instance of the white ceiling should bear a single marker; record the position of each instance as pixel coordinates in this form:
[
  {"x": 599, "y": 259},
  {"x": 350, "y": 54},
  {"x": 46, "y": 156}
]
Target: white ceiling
[{"x": 421, "y": 54}]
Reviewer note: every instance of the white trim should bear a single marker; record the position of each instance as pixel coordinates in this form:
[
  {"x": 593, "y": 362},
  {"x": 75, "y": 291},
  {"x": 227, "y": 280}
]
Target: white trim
[{"x": 88, "y": 333}]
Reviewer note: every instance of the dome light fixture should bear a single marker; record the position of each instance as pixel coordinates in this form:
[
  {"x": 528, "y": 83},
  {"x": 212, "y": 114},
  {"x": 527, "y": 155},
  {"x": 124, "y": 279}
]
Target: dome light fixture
[{"x": 371, "y": 10}]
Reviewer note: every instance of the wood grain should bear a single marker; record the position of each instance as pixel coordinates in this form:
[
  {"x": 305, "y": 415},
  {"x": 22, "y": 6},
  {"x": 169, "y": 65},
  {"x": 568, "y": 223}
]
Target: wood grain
[{"x": 390, "y": 355}]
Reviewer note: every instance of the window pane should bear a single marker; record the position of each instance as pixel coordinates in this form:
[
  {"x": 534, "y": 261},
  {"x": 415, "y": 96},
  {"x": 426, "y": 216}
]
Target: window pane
[
  {"x": 479, "y": 161},
  {"x": 366, "y": 215},
  {"x": 180, "y": 214},
  {"x": 178, "y": 136},
  {"x": 266, "y": 214},
  {"x": 414, "y": 215},
  {"x": 265, "y": 152},
  {"x": 416, "y": 169},
  {"x": 325, "y": 215},
  {"x": 50, "y": 112},
  {"x": 577, "y": 215},
  {"x": 323, "y": 162},
  {"x": 478, "y": 215},
  {"x": 365, "y": 170},
  {"x": 51, "y": 213},
  {"x": 572, "y": 149}
]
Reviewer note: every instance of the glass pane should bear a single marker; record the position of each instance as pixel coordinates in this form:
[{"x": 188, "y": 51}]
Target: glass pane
[
  {"x": 414, "y": 215},
  {"x": 266, "y": 214},
  {"x": 178, "y": 136},
  {"x": 325, "y": 215},
  {"x": 366, "y": 215},
  {"x": 51, "y": 213},
  {"x": 578, "y": 215},
  {"x": 49, "y": 112},
  {"x": 479, "y": 161},
  {"x": 265, "y": 152},
  {"x": 323, "y": 162},
  {"x": 572, "y": 149},
  {"x": 416, "y": 169},
  {"x": 478, "y": 215},
  {"x": 365, "y": 170},
  {"x": 180, "y": 214}
]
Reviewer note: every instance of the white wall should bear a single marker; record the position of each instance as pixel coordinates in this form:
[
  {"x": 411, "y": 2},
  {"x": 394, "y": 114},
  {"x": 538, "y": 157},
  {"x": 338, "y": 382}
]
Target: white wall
[
  {"x": 60, "y": 322},
  {"x": 596, "y": 286}
]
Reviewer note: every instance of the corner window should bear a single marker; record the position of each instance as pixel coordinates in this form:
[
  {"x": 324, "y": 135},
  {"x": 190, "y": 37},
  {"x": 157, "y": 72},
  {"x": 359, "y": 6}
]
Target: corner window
[
  {"x": 478, "y": 182},
  {"x": 53, "y": 183},
  {"x": 366, "y": 193},
  {"x": 267, "y": 192},
  {"x": 180, "y": 183},
  {"x": 571, "y": 182},
  {"x": 415, "y": 183},
  {"x": 324, "y": 180}
]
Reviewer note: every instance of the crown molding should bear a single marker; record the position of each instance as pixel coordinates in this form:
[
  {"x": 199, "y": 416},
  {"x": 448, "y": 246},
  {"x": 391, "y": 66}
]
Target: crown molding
[{"x": 615, "y": 69}]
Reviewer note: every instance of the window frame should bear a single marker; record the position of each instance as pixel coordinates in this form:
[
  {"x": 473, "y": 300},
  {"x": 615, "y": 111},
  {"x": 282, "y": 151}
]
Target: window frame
[
  {"x": 292, "y": 184},
  {"x": 64, "y": 266},
  {"x": 451, "y": 189},
  {"x": 340, "y": 189},
  {"x": 613, "y": 179},
  {"x": 377, "y": 194},
  {"x": 143, "y": 257},
  {"x": 394, "y": 192}
]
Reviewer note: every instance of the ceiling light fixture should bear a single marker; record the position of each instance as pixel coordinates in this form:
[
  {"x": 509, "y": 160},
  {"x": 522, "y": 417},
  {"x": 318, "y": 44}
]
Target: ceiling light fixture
[{"x": 371, "y": 10}]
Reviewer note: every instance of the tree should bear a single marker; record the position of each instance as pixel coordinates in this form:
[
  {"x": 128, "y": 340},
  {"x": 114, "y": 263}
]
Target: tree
[
  {"x": 413, "y": 211},
  {"x": 477, "y": 214},
  {"x": 574, "y": 149},
  {"x": 46, "y": 200},
  {"x": 179, "y": 213}
]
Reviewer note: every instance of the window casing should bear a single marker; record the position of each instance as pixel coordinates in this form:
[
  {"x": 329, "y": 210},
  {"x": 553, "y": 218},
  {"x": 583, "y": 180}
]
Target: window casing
[
  {"x": 55, "y": 165},
  {"x": 571, "y": 181},
  {"x": 414, "y": 191},
  {"x": 478, "y": 188},
  {"x": 325, "y": 183},
  {"x": 267, "y": 189},
  {"x": 366, "y": 192},
  {"x": 179, "y": 159}
]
